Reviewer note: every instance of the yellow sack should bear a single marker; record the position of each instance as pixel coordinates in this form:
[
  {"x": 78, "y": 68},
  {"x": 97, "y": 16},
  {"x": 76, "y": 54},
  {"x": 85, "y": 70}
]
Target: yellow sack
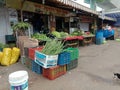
[
  {"x": 1, "y": 55},
  {"x": 15, "y": 55},
  {"x": 6, "y": 56}
]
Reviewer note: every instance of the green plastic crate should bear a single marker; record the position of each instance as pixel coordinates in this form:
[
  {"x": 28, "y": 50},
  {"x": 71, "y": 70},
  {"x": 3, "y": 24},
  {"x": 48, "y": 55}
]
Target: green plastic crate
[
  {"x": 74, "y": 53},
  {"x": 10, "y": 38},
  {"x": 1, "y": 49},
  {"x": 73, "y": 64}
]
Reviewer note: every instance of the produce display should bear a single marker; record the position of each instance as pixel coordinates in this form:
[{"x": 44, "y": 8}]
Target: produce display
[
  {"x": 53, "y": 47},
  {"x": 57, "y": 34},
  {"x": 64, "y": 34},
  {"x": 60, "y": 34},
  {"x": 88, "y": 34},
  {"x": 41, "y": 37},
  {"x": 76, "y": 33}
]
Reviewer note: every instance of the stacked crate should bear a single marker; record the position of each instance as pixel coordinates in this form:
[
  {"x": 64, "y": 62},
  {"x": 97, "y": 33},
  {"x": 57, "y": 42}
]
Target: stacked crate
[
  {"x": 74, "y": 55},
  {"x": 29, "y": 57},
  {"x": 50, "y": 66}
]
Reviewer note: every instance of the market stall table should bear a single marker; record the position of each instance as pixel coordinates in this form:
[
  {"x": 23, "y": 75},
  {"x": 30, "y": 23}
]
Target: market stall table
[
  {"x": 88, "y": 39},
  {"x": 73, "y": 41}
]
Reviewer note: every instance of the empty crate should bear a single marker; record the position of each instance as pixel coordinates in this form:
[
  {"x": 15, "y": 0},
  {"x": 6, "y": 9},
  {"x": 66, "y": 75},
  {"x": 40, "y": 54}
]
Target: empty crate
[{"x": 54, "y": 72}]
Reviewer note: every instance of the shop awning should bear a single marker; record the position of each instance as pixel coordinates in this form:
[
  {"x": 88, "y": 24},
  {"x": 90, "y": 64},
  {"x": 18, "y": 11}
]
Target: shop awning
[
  {"x": 74, "y": 5},
  {"x": 108, "y": 18},
  {"x": 117, "y": 23},
  {"x": 114, "y": 15}
]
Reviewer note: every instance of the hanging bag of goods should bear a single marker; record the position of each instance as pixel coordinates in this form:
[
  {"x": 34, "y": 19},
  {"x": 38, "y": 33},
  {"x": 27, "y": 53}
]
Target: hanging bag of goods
[
  {"x": 15, "y": 55},
  {"x": 1, "y": 55},
  {"x": 6, "y": 56}
]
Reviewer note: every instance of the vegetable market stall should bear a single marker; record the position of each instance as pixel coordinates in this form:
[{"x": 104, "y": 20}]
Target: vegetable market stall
[
  {"x": 73, "y": 41},
  {"x": 88, "y": 39}
]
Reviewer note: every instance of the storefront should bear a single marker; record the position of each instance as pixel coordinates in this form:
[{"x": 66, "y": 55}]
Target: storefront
[
  {"x": 57, "y": 12},
  {"x": 56, "y": 15}
]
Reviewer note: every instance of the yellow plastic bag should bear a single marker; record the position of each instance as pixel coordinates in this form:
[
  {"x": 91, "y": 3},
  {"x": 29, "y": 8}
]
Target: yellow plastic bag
[
  {"x": 6, "y": 56},
  {"x": 1, "y": 55},
  {"x": 15, "y": 55}
]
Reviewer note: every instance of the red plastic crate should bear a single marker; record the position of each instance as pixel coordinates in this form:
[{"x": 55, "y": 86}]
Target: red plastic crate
[
  {"x": 54, "y": 72},
  {"x": 32, "y": 52}
]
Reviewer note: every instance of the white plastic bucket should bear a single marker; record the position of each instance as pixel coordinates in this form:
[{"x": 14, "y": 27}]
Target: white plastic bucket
[{"x": 18, "y": 80}]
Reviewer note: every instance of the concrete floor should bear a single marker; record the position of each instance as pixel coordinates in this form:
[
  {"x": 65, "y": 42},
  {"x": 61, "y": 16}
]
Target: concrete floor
[{"x": 96, "y": 66}]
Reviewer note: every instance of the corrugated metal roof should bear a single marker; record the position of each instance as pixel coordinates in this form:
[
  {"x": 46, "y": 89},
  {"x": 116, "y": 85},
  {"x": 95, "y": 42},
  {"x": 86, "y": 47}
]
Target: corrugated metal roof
[
  {"x": 114, "y": 15},
  {"x": 108, "y": 18},
  {"x": 76, "y": 5}
]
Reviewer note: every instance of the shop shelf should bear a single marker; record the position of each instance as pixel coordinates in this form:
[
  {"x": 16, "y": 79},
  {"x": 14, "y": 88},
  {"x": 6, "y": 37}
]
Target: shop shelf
[{"x": 54, "y": 72}]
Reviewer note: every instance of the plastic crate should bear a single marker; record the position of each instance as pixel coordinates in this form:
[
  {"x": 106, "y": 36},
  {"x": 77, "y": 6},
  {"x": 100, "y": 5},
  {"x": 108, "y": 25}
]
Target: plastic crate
[
  {"x": 31, "y": 52},
  {"x": 1, "y": 49},
  {"x": 64, "y": 58},
  {"x": 54, "y": 72},
  {"x": 46, "y": 61},
  {"x": 27, "y": 62},
  {"x": 73, "y": 64},
  {"x": 36, "y": 68},
  {"x": 74, "y": 53},
  {"x": 10, "y": 38}
]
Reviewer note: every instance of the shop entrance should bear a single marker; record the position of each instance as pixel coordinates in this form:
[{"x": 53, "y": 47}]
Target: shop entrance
[{"x": 38, "y": 21}]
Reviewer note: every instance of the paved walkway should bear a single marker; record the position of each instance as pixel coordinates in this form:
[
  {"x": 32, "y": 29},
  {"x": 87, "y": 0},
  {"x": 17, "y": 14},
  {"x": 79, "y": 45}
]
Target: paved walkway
[{"x": 97, "y": 63}]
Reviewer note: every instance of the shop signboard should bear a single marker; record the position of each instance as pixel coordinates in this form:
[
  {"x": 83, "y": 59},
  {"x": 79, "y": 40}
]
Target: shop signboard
[
  {"x": 39, "y": 8},
  {"x": 13, "y": 4}
]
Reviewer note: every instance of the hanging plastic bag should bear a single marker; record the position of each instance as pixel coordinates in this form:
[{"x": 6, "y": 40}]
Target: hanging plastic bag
[
  {"x": 1, "y": 55},
  {"x": 6, "y": 56},
  {"x": 15, "y": 55}
]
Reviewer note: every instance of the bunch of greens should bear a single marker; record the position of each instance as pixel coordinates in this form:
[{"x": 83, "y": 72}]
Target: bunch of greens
[
  {"x": 41, "y": 37},
  {"x": 53, "y": 47}
]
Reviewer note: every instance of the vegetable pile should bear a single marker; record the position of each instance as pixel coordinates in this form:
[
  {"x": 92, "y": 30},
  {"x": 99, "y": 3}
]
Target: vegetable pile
[
  {"x": 53, "y": 47},
  {"x": 41, "y": 37},
  {"x": 60, "y": 34}
]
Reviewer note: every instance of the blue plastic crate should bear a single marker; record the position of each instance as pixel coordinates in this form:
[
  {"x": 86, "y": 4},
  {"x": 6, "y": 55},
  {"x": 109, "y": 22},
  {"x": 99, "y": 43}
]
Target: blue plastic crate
[
  {"x": 64, "y": 58},
  {"x": 36, "y": 68}
]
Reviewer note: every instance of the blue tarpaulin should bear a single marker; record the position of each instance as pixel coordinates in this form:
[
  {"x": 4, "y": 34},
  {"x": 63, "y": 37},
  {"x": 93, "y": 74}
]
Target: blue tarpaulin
[{"x": 107, "y": 33}]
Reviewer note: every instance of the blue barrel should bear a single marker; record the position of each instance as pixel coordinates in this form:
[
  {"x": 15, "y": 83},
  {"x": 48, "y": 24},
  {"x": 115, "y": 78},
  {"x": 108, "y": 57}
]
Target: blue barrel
[{"x": 99, "y": 37}]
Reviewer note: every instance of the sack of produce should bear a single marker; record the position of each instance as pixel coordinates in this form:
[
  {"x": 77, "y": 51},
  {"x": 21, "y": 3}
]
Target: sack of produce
[
  {"x": 15, "y": 55},
  {"x": 1, "y": 55},
  {"x": 6, "y": 56}
]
